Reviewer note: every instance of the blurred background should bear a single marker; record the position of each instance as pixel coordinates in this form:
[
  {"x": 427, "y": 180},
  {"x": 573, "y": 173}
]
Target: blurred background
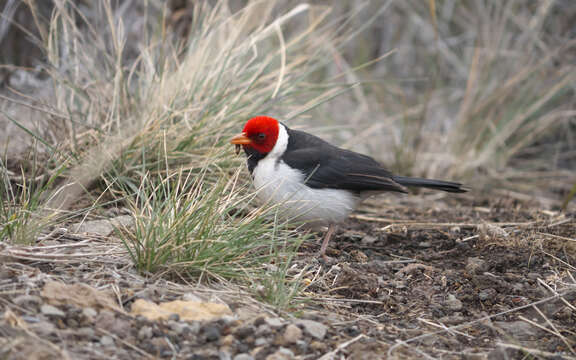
[{"x": 482, "y": 91}]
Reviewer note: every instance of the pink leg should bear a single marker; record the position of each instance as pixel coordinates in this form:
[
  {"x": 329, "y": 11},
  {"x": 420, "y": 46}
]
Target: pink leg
[{"x": 327, "y": 237}]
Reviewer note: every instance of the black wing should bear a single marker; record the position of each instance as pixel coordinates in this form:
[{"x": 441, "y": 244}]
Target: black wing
[{"x": 327, "y": 166}]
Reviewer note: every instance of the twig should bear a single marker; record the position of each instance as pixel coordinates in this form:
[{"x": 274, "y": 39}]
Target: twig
[
  {"x": 558, "y": 237},
  {"x": 442, "y": 326},
  {"x": 330, "y": 355},
  {"x": 357, "y": 301},
  {"x": 131, "y": 346}
]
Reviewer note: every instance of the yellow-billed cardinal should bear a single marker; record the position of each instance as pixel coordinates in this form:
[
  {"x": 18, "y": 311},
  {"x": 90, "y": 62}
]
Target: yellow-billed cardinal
[{"x": 313, "y": 181}]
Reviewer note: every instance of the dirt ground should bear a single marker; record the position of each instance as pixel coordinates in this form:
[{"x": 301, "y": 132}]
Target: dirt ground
[{"x": 421, "y": 277}]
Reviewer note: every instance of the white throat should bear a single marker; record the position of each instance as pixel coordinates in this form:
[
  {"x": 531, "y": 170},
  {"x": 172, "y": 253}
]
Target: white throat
[{"x": 281, "y": 143}]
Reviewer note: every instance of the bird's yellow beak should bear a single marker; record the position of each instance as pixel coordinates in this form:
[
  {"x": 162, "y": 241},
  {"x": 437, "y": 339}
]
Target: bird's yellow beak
[{"x": 240, "y": 139}]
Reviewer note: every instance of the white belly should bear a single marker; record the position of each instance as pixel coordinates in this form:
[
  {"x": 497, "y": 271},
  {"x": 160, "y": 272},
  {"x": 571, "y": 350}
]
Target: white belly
[{"x": 279, "y": 184}]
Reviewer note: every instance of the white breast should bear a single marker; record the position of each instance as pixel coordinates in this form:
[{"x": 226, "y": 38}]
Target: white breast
[{"x": 278, "y": 183}]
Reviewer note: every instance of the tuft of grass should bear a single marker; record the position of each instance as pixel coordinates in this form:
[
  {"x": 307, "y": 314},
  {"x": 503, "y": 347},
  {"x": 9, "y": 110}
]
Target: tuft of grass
[
  {"x": 22, "y": 196},
  {"x": 187, "y": 226}
]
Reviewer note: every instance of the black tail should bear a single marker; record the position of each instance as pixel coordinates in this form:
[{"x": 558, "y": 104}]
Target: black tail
[{"x": 448, "y": 186}]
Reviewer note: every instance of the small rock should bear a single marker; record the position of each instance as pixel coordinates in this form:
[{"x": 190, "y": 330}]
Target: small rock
[
  {"x": 178, "y": 327},
  {"x": 318, "y": 346},
  {"x": 43, "y": 329},
  {"x": 314, "y": 328},
  {"x": 90, "y": 313},
  {"x": 211, "y": 333},
  {"x": 476, "y": 265},
  {"x": 452, "y": 303},
  {"x": 27, "y": 301},
  {"x": 227, "y": 340},
  {"x": 353, "y": 235},
  {"x": 486, "y": 294},
  {"x": 281, "y": 354},
  {"x": 292, "y": 334},
  {"x": 533, "y": 276},
  {"x": 368, "y": 240},
  {"x": 85, "y": 332},
  {"x": 103, "y": 227},
  {"x": 274, "y": 322},
  {"x": 116, "y": 325},
  {"x": 224, "y": 355},
  {"x": 106, "y": 340},
  {"x": 50, "y": 310},
  {"x": 105, "y": 320},
  {"x": 191, "y": 297},
  {"x": 72, "y": 323},
  {"x": 352, "y": 331},
  {"x": 398, "y": 284},
  {"x": 161, "y": 345},
  {"x": 260, "y": 341},
  {"x": 263, "y": 329},
  {"x": 519, "y": 330},
  {"x": 191, "y": 328},
  {"x": 145, "y": 333},
  {"x": 227, "y": 319},
  {"x": 359, "y": 256},
  {"x": 243, "y": 357},
  {"x": 243, "y": 332}
]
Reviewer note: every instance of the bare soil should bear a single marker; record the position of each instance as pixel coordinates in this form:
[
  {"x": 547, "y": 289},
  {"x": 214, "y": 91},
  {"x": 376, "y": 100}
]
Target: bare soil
[{"x": 419, "y": 277}]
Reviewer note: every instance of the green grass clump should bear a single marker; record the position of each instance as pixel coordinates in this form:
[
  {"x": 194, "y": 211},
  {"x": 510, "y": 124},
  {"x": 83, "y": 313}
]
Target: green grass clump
[{"x": 184, "y": 223}]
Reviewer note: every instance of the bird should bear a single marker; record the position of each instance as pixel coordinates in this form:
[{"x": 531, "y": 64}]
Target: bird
[{"x": 312, "y": 181}]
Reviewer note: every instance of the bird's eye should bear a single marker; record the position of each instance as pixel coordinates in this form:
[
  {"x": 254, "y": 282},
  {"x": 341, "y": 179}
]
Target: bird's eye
[{"x": 261, "y": 136}]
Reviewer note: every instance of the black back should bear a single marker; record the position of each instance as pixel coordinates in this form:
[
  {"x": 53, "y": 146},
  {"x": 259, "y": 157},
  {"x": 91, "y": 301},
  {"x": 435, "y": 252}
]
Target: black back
[{"x": 327, "y": 166}]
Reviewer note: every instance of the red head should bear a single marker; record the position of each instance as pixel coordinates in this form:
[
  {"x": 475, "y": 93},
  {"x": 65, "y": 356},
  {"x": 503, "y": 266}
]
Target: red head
[{"x": 260, "y": 133}]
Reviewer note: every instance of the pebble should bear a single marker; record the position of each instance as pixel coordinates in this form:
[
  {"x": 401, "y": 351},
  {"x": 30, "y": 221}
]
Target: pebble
[
  {"x": 281, "y": 354},
  {"x": 86, "y": 332},
  {"x": 452, "y": 303},
  {"x": 318, "y": 346},
  {"x": 192, "y": 297},
  {"x": 261, "y": 341},
  {"x": 314, "y": 328},
  {"x": 43, "y": 328},
  {"x": 486, "y": 294},
  {"x": 211, "y": 333},
  {"x": 27, "y": 301},
  {"x": 243, "y": 332},
  {"x": 90, "y": 313},
  {"x": 369, "y": 240},
  {"x": 50, "y": 310},
  {"x": 145, "y": 333},
  {"x": 243, "y": 357},
  {"x": 263, "y": 329},
  {"x": 292, "y": 334},
  {"x": 106, "y": 340},
  {"x": 274, "y": 322},
  {"x": 476, "y": 265},
  {"x": 227, "y": 340},
  {"x": 224, "y": 355},
  {"x": 519, "y": 330}
]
